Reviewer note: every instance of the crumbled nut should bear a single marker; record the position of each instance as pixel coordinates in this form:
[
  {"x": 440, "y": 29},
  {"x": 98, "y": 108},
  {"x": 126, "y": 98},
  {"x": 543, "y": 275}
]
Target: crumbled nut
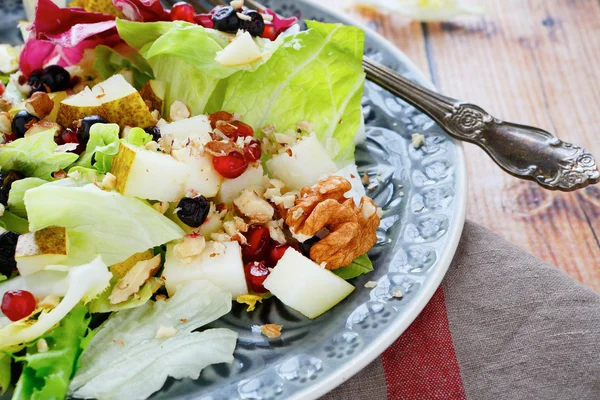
[
  {"x": 418, "y": 140},
  {"x": 365, "y": 179},
  {"x": 60, "y": 174},
  {"x": 254, "y": 207},
  {"x": 51, "y": 301},
  {"x": 179, "y": 111},
  {"x": 131, "y": 283},
  {"x": 397, "y": 293},
  {"x": 42, "y": 126},
  {"x": 219, "y": 248},
  {"x": 5, "y": 122},
  {"x": 237, "y": 4},
  {"x": 235, "y": 226},
  {"x": 183, "y": 320},
  {"x": 42, "y": 345},
  {"x": 109, "y": 182},
  {"x": 272, "y": 193},
  {"x": 165, "y": 332},
  {"x": 240, "y": 224},
  {"x": 243, "y": 17},
  {"x": 161, "y": 206},
  {"x": 221, "y": 147},
  {"x": 161, "y": 297},
  {"x": 371, "y": 284},
  {"x": 155, "y": 114},
  {"x": 119, "y": 341},
  {"x": 39, "y": 105},
  {"x": 282, "y": 138},
  {"x": 271, "y": 331},
  {"x": 352, "y": 229},
  {"x": 190, "y": 247},
  {"x": 305, "y": 126},
  {"x": 286, "y": 201},
  {"x": 220, "y": 237},
  {"x": 5, "y": 105},
  {"x": 323, "y": 265},
  {"x": 276, "y": 231},
  {"x": 166, "y": 143}
]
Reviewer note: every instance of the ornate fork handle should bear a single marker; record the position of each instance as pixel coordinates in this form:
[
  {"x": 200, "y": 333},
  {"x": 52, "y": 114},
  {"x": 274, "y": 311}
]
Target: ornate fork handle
[{"x": 523, "y": 151}]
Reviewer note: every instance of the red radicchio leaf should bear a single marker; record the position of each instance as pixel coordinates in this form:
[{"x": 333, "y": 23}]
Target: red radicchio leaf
[
  {"x": 62, "y": 35},
  {"x": 142, "y": 10},
  {"x": 280, "y": 24}
]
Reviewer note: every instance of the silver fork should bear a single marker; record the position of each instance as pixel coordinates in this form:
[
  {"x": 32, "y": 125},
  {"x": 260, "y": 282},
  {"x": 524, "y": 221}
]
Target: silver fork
[{"x": 523, "y": 151}]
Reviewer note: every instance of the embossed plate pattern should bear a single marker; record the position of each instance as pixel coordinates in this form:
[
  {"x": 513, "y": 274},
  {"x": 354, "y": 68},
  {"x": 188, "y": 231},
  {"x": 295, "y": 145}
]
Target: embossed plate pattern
[{"x": 423, "y": 194}]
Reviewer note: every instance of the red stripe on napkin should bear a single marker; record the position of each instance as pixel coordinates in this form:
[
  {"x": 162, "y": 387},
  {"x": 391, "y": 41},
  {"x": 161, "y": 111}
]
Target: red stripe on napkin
[{"x": 422, "y": 363}]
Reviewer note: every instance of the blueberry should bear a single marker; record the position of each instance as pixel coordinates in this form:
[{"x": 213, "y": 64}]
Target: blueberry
[
  {"x": 307, "y": 245},
  {"x": 8, "y": 244},
  {"x": 56, "y": 78},
  {"x": 21, "y": 122},
  {"x": 6, "y": 180},
  {"x": 83, "y": 131},
  {"x": 256, "y": 25},
  {"x": 35, "y": 78},
  {"x": 154, "y": 131},
  {"x": 193, "y": 211},
  {"x": 226, "y": 20}
]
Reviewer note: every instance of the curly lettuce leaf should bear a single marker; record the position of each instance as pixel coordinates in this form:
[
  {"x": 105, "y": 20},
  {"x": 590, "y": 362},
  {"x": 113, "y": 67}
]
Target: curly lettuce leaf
[
  {"x": 12, "y": 222},
  {"x": 84, "y": 283},
  {"x": 102, "y": 303},
  {"x": 101, "y": 148},
  {"x": 112, "y": 365},
  {"x": 5, "y": 372},
  {"x": 99, "y": 222},
  {"x": 110, "y": 61},
  {"x": 138, "y": 137},
  {"x": 360, "y": 266},
  {"x": 46, "y": 375},
  {"x": 17, "y": 193},
  {"x": 35, "y": 156}
]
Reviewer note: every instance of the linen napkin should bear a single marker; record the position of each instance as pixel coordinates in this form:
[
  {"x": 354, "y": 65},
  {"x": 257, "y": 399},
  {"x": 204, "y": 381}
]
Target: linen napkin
[{"x": 503, "y": 325}]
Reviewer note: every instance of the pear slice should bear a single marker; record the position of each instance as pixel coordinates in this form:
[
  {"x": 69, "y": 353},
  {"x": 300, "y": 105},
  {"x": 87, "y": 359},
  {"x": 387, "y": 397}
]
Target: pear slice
[
  {"x": 219, "y": 263},
  {"x": 154, "y": 92},
  {"x": 202, "y": 177},
  {"x": 197, "y": 127},
  {"x": 36, "y": 250},
  {"x": 232, "y": 188},
  {"x": 79, "y": 106},
  {"x": 121, "y": 269},
  {"x": 243, "y": 50},
  {"x": 148, "y": 174},
  {"x": 306, "y": 287},
  {"x": 57, "y": 97},
  {"x": 307, "y": 163}
]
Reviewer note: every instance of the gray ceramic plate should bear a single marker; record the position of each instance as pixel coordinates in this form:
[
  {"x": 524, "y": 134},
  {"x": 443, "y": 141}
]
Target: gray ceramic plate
[{"x": 423, "y": 194}]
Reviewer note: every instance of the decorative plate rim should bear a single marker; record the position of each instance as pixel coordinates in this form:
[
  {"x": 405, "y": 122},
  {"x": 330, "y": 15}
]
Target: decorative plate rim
[{"x": 394, "y": 331}]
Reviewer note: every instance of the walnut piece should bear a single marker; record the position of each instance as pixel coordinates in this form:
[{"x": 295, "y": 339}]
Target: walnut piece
[
  {"x": 352, "y": 229},
  {"x": 271, "y": 331},
  {"x": 254, "y": 207},
  {"x": 39, "y": 105},
  {"x": 131, "y": 283}
]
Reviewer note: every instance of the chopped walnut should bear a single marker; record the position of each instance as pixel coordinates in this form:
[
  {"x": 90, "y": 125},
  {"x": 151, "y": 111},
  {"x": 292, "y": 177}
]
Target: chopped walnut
[
  {"x": 164, "y": 332},
  {"x": 276, "y": 231},
  {"x": 190, "y": 247},
  {"x": 179, "y": 111},
  {"x": 235, "y": 226},
  {"x": 271, "y": 331},
  {"x": 161, "y": 206},
  {"x": 109, "y": 182},
  {"x": 131, "y": 283},
  {"x": 371, "y": 285},
  {"x": 352, "y": 229},
  {"x": 5, "y": 122},
  {"x": 220, "y": 237},
  {"x": 42, "y": 346},
  {"x": 39, "y": 105},
  {"x": 221, "y": 147},
  {"x": 254, "y": 207}
]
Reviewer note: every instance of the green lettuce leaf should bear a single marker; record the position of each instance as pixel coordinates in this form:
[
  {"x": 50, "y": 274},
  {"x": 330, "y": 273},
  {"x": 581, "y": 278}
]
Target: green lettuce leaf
[
  {"x": 110, "y": 61},
  {"x": 360, "y": 266},
  {"x": 314, "y": 76},
  {"x": 102, "y": 303},
  {"x": 138, "y": 137},
  {"x": 5, "y": 372},
  {"x": 102, "y": 146},
  {"x": 47, "y": 375},
  {"x": 12, "y": 222},
  {"x": 99, "y": 222},
  {"x": 17, "y": 193},
  {"x": 138, "y": 363},
  {"x": 35, "y": 156}
]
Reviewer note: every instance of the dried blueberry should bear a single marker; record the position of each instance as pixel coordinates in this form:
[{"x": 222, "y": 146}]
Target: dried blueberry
[
  {"x": 307, "y": 245},
  {"x": 8, "y": 244},
  {"x": 154, "y": 131},
  {"x": 226, "y": 20},
  {"x": 56, "y": 78},
  {"x": 193, "y": 211},
  {"x": 256, "y": 25},
  {"x": 21, "y": 122},
  {"x": 83, "y": 131}
]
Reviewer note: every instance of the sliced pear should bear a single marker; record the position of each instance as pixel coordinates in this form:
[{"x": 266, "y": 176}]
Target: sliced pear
[
  {"x": 36, "y": 250},
  {"x": 114, "y": 99},
  {"x": 57, "y": 97},
  {"x": 154, "y": 91},
  {"x": 43, "y": 126},
  {"x": 304, "y": 286},
  {"x": 232, "y": 188},
  {"x": 219, "y": 263},
  {"x": 350, "y": 173},
  {"x": 148, "y": 174},
  {"x": 241, "y": 51},
  {"x": 119, "y": 270},
  {"x": 307, "y": 163},
  {"x": 202, "y": 177},
  {"x": 197, "y": 127}
]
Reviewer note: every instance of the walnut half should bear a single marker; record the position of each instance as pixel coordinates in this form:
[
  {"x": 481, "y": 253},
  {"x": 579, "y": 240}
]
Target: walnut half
[{"x": 352, "y": 229}]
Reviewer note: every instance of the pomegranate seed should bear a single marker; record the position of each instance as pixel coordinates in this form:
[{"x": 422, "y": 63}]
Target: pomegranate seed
[
  {"x": 270, "y": 32},
  {"x": 230, "y": 166},
  {"x": 277, "y": 252},
  {"x": 183, "y": 11},
  {"x": 18, "y": 304},
  {"x": 258, "y": 243},
  {"x": 252, "y": 151},
  {"x": 219, "y": 116},
  {"x": 204, "y": 20},
  {"x": 10, "y": 137},
  {"x": 243, "y": 129},
  {"x": 256, "y": 273},
  {"x": 2, "y": 88},
  {"x": 70, "y": 136}
]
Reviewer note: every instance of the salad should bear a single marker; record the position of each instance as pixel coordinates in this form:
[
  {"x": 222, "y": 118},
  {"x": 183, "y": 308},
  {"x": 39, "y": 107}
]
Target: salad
[{"x": 158, "y": 165}]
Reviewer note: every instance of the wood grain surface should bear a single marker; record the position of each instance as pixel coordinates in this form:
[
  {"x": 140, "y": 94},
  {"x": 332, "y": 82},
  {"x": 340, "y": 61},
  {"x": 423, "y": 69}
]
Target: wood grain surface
[{"x": 529, "y": 61}]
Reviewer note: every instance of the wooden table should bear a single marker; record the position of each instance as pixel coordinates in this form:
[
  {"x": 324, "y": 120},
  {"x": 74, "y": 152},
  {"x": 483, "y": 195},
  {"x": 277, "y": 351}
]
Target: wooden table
[{"x": 536, "y": 62}]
